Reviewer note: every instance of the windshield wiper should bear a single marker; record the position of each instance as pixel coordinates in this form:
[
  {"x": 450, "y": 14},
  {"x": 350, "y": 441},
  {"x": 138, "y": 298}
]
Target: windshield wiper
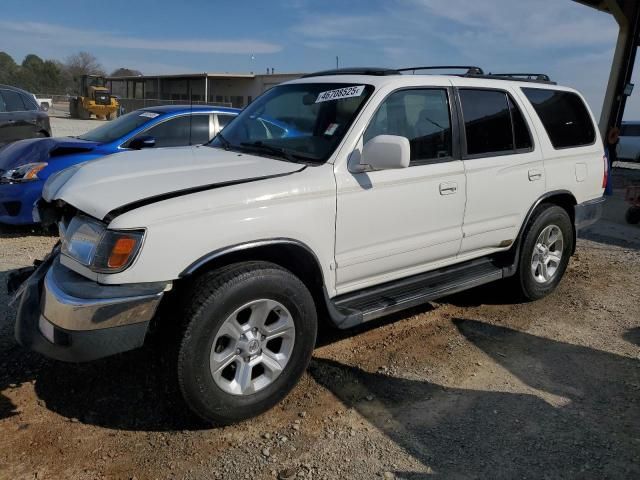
[
  {"x": 226, "y": 144},
  {"x": 279, "y": 151}
]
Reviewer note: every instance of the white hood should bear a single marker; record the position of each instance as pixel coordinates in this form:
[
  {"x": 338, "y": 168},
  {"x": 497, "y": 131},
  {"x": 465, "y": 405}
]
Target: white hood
[{"x": 100, "y": 186}]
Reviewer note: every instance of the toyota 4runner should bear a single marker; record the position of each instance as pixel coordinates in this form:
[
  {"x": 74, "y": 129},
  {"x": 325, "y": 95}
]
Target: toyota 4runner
[{"x": 379, "y": 190}]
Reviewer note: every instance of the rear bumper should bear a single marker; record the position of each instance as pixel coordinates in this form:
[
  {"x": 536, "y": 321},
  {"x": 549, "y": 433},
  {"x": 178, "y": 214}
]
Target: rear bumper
[
  {"x": 588, "y": 213},
  {"x": 64, "y": 316}
]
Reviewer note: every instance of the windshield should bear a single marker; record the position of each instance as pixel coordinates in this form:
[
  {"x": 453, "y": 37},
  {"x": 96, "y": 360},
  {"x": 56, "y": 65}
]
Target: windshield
[
  {"x": 298, "y": 122},
  {"x": 119, "y": 127}
]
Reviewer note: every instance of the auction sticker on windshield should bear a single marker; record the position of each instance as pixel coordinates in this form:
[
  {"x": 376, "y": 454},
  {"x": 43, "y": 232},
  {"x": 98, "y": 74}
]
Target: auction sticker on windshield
[
  {"x": 340, "y": 93},
  {"x": 149, "y": 114}
]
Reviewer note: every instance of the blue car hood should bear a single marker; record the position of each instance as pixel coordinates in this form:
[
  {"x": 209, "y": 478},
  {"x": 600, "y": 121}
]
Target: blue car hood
[{"x": 41, "y": 150}]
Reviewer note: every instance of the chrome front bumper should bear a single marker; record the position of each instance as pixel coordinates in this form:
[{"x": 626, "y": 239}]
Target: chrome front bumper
[{"x": 68, "y": 317}]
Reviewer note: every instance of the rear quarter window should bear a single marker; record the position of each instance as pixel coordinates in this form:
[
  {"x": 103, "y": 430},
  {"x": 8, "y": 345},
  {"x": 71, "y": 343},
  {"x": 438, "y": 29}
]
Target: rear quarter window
[{"x": 564, "y": 116}]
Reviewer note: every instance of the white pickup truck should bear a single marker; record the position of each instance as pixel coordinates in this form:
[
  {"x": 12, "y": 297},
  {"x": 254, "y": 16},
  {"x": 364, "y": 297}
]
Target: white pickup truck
[
  {"x": 385, "y": 190},
  {"x": 44, "y": 103}
]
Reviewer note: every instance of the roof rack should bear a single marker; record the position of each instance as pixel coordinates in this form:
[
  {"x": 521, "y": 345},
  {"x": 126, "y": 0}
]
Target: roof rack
[
  {"x": 470, "y": 69},
  {"x": 538, "y": 77},
  {"x": 467, "y": 71},
  {"x": 354, "y": 71}
]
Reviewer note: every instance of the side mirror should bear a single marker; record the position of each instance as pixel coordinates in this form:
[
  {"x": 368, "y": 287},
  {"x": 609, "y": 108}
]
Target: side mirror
[
  {"x": 385, "y": 152},
  {"x": 145, "y": 141}
]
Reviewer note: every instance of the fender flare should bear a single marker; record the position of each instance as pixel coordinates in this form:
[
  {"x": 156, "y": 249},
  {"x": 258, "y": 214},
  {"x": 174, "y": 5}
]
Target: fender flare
[
  {"x": 245, "y": 246},
  {"x": 515, "y": 250}
]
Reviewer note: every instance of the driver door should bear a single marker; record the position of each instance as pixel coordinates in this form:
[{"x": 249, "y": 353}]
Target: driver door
[{"x": 395, "y": 223}]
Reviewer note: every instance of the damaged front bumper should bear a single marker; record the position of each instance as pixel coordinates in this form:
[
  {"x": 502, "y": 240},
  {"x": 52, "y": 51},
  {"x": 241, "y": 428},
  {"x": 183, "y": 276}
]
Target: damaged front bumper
[{"x": 65, "y": 316}]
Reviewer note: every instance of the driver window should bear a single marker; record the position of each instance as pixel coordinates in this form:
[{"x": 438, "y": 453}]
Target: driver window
[
  {"x": 420, "y": 115},
  {"x": 175, "y": 132}
]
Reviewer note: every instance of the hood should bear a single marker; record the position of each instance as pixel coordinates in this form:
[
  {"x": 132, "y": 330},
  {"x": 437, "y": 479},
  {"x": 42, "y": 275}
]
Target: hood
[
  {"x": 41, "y": 150},
  {"x": 118, "y": 183}
]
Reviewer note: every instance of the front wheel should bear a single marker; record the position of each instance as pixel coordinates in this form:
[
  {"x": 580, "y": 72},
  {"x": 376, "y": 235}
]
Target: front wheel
[
  {"x": 250, "y": 333},
  {"x": 546, "y": 248}
]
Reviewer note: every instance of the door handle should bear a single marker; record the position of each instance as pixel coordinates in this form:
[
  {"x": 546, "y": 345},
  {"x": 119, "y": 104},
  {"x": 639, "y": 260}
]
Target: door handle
[
  {"x": 448, "y": 188},
  {"x": 535, "y": 175}
]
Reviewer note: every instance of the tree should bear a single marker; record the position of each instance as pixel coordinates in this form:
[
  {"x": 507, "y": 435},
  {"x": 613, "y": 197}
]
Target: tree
[
  {"x": 8, "y": 68},
  {"x": 83, "y": 63},
  {"x": 125, "y": 72}
]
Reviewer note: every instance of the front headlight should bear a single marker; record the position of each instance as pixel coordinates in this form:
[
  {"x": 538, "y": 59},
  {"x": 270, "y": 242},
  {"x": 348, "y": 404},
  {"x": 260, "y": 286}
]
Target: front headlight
[
  {"x": 105, "y": 251},
  {"x": 24, "y": 173}
]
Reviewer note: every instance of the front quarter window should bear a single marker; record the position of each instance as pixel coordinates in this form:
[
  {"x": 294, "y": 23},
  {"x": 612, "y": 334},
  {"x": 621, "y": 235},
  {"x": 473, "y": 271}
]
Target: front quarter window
[{"x": 300, "y": 121}]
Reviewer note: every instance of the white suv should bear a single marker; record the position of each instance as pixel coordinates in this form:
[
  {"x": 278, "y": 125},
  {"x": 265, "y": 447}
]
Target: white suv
[{"x": 344, "y": 195}]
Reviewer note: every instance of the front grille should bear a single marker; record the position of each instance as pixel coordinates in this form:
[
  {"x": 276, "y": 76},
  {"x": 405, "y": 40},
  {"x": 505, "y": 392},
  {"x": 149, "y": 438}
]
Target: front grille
[{"x": 102, "y": 98}]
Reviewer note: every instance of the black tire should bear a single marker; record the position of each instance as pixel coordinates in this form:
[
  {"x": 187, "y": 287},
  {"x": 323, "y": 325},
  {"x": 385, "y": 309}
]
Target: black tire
[
  {"x": 73, "y": 108},
  {"x": 632, "y": 215},
  {"x": 83, "y": 113},
  {"x": 213, "y": 298},
  {"x": 543, "y": 217}
]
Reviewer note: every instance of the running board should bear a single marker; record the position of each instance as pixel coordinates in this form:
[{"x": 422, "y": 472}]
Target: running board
[{"x": 374, "y": 302}]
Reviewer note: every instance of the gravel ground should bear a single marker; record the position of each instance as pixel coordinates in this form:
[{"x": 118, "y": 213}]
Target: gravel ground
[
  {"x": 63, "y": 126},
  {"x": 473, "y": 386}
]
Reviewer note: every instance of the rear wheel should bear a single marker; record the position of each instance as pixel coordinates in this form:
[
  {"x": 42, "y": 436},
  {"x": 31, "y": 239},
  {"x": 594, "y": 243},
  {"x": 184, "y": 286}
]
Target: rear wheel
[
  {"x": 545, "y": 252},
  {"x": 250, "y": 333},
  {"x": 632, "y": 215},
  {"x": 83, "y": 113},
  {"x": 73, "y": 108}
]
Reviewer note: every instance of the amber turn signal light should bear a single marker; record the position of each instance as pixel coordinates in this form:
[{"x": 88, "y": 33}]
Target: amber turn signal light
[{"x": 121, "y": 251}]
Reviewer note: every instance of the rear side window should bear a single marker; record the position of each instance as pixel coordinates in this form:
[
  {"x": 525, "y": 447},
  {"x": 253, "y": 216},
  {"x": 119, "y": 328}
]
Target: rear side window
[
  {"x": 521, "y": 133},
  {"x": 487, "y": 121},
  {"x": 29, "y": 102},
  {"x": 564, "y": 116},
  {"x": 13, "y": 101}
]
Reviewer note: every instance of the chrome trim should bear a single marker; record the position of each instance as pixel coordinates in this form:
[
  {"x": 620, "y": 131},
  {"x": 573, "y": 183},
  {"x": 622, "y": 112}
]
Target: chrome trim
[{"x": 72, "y": 313}]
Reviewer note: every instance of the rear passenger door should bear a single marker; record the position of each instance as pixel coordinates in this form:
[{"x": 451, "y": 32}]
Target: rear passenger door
[
  {"x": 395, "y": 223},
  {"x": 503, "y": 165}
]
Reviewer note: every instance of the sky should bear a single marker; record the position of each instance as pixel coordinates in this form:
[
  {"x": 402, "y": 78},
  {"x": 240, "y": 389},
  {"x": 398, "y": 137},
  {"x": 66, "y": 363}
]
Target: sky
[{"x": 570, "y": 42}]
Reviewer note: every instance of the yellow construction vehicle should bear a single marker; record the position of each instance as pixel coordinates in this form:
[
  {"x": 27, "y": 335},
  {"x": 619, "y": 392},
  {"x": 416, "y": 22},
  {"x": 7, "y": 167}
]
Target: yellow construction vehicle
[{"x": 93, "y": 98}]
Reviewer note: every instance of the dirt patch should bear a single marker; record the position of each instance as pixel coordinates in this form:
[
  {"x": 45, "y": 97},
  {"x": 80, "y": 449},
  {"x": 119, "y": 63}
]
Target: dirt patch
[{"x": 474, "y": 386}]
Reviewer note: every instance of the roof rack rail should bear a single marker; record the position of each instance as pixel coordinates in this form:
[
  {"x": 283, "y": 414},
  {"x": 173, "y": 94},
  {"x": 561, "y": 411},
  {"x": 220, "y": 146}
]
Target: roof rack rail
[
  {"x": 540, "y": 77},
  {"x": 470, "y": 69},
  {"x": 354, "y": 71}
]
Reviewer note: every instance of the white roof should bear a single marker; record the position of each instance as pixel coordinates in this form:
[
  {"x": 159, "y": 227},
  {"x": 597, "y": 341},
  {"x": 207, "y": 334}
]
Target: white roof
[{"x": 410, "y": 80}]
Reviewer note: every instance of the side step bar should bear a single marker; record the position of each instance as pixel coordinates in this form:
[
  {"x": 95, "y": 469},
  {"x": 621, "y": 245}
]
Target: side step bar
[{"x": 354, "y": 308}]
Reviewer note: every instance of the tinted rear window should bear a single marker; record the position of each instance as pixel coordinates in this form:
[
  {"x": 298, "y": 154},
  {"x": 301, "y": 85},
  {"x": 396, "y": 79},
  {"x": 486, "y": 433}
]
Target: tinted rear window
[
  {"x": 13, "y": 101},
  {"x": 564, "y": 116},
  {"x": 487, "y": 121}
]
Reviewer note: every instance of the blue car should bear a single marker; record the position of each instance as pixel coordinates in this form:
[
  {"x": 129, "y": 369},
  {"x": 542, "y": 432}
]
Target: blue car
[{"x": 26, "y": 164}]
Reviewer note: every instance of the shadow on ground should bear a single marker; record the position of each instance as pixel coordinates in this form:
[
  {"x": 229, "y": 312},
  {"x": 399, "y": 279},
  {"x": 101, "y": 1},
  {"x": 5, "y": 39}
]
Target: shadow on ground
[
  {"x": 131, "y": 391},
  {"x": 464, "y": 433}
]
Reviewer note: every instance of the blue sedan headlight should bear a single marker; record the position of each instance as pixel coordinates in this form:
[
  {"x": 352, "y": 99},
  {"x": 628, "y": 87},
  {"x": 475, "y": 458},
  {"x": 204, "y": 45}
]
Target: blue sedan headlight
[{"x": 24, "y": 173}]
